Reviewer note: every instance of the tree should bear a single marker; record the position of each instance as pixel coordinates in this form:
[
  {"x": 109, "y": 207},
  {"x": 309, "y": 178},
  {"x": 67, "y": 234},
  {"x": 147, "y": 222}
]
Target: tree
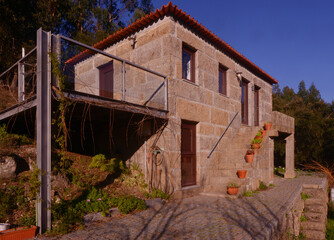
[
  {"x": 88, "y": 21},
  {"x": 314, "y": 122}
]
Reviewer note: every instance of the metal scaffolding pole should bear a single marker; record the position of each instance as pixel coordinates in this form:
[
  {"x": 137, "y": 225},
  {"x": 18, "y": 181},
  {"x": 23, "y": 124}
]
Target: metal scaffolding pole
[{"x": 43, "y": 125}]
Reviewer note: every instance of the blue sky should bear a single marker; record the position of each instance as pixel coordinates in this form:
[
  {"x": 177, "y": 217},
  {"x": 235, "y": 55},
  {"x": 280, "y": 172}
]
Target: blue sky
[{"x": 290, "y": 40}]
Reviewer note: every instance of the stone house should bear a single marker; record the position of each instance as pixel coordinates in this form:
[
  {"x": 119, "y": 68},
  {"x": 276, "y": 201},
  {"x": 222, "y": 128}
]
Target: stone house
[{"x": 209, "y": 82}]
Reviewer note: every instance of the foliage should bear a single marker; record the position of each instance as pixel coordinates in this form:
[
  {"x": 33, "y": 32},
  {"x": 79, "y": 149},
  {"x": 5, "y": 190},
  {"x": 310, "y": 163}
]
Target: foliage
[
  {"x": 303, "y": 218},
  {"x": 250, "y": 152},
  {"x": 68, "y": 214},
  {"x": 304, "y": 196},
  {"x": 11, "y": 199},
  {"x": 88, "y": 21},
  {"x": 28, "y": 219},
  {"x": 314, "y": 123},
  {"x": 233, "y": 185},
  {"x": 262, "y": 186},
  {"x": 258, "y": 141},
  {"x": 325, "y": 168},
  {"x": 248, "y": 194},
  {"x": 133, "y": 177},
  {"x": 8, "y": 140},
  {"x": 127, "y": 204},
  {"x": 279, "y": 171},
  {"x": 258, "y": 134},
  {"x": 113, "y": 165},
  {"x": 157, "y": 193},
  {"x": 330, "y": 223}
]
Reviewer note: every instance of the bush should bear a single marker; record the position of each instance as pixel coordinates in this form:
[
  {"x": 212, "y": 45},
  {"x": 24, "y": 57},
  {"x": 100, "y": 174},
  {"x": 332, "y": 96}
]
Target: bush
[
  {"x": 157, "y": 193},
  {"x": 113, "y": 165},
  {"x": 12, "y": 140},
  {"x": 262, "y": 186},
  {"x": 127, "y": 204}
]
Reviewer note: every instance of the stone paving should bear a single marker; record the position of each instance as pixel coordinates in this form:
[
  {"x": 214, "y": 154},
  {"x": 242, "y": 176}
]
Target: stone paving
[{"x": 204, "y": 217}]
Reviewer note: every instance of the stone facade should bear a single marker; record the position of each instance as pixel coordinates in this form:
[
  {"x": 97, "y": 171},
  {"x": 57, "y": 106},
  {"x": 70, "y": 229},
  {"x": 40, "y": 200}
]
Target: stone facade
[{"x": 159, "y": 48}]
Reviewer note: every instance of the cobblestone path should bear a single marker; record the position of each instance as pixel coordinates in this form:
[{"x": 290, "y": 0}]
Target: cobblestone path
[{"x": 204, "y": 217}]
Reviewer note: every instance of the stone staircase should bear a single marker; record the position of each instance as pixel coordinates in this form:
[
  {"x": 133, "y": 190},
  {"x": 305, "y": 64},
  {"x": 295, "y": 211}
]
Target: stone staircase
[
  {"x": 313, "y": 225},
  {"x": 239, "y": 140}
]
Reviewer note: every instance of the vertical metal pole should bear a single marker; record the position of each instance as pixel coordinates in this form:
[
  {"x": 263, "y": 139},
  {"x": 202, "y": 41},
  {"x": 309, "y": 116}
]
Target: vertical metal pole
[
  {"x": 43, "y": 125},
  {"x": 21, "y": 80},
  {"x": 123, "y": 80},
  {"x": 166, "y": 93}
]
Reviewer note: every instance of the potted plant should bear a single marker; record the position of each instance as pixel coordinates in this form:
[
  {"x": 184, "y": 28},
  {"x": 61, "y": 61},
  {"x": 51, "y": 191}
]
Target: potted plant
[
  {"x": 268, "y": 125},
  {"x": 242, "y": 173},
  {"x": 258, "y": 135},
  {"x": 263, "y": 132},
  {"x": 18, "y": 233},
  {"x": 250, "y": 155},
  {"x": 256, "y": 143},
  {"x": 233, "y": 188}
]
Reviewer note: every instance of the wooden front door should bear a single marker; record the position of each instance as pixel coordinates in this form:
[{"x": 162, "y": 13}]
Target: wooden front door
[
  {"x": 188, "y": 154},
  {"x": 107, "y": 80}
]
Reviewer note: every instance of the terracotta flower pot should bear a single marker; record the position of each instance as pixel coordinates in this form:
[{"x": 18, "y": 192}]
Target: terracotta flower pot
[
  {"x": 232, "y": 190},
  {"x": 257, "y": 137},
  {"x": 267, "y": 126},
  {"x": 256, "y": 145},
  {"x": 263, "y": 132},
  {"x": 18, "y": 233},
  {"x": 242, "y": 173},
  {"x": 249, "y": 158}
]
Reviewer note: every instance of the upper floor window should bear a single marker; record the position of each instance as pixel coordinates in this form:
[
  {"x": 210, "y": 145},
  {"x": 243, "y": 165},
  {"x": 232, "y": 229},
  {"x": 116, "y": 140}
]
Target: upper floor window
[
  {"x": 188, "y": 63},
  {"x": 222, "y": 80}
]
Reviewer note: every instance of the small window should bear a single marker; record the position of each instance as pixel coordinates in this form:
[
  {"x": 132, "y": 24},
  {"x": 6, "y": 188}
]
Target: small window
[
  {"x": 222, "y": 80},
  {"x": 188, "y": 63}
]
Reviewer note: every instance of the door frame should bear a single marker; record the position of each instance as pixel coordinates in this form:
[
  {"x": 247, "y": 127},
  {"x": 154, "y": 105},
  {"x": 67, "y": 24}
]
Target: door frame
[{"x": 193, "y": 171}]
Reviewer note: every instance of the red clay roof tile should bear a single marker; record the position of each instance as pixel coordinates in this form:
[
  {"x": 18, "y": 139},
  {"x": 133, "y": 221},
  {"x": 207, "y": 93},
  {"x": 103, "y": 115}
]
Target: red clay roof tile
[{"x": 173, "y": 11}]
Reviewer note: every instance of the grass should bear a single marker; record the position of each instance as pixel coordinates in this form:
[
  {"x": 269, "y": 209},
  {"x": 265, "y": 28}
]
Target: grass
[
  {"x": 330, "y": 223},
  {"x": 304, "y": 196},
  {"x": 303, "y": 218}
]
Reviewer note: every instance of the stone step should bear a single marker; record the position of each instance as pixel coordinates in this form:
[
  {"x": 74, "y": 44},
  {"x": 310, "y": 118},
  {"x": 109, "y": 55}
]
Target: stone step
[
  {"x": 317, "y": 201},
  {"x": 315, "y": 235},
  {"x": 315, "y": 226},
  {"x": 315, "y": 217},
  {"x": 316, "y": 209},
  {"x": 315, "y": 193}
]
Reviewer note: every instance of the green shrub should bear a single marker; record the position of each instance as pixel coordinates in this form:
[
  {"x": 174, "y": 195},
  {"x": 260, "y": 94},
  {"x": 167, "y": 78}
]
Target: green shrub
[
  {"x": 304, "y": 196},
  {"x": 157, "y": 193},
  {"x": 28, "y": 219},
  {"x": 258, "y": 140},
  {"x": 303, "y": 218},
  {"x": 106, "y": 165},
  {"x": 262, "y": 186},
  {"x": 127, "y": 204},
  {"x": 12, "y": 140},
  {"x": 248, "y": 194}
]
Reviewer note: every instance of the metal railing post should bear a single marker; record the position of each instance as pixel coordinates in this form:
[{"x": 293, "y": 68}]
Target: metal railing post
[
  {"x": 43, "y": 129},
  {"x": 21, "y": 79},
  {"x": 123, "y": 81}
]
